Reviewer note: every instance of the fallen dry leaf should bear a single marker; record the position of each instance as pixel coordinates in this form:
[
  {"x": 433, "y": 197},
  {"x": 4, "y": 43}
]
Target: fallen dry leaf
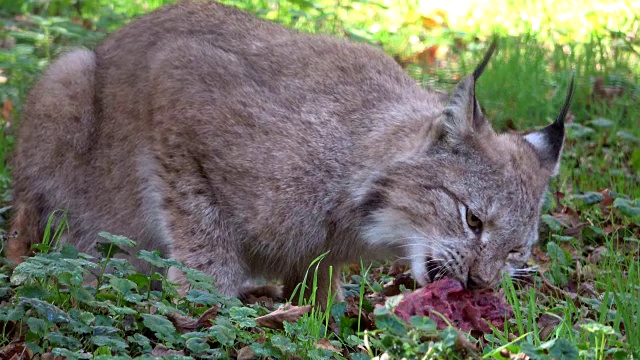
[
  {"x": 539, "y": 255},
  {"x": 597, "y": 255},
  {"x": 547, "y": 323},
  {"x": 7, "y": 110},
  {"x": 245, "y": 353},
  {"x": 185, "y": 324},
  {"x": 588, "y": 289},
  {"x": 50, "y": 356},
  {"x": 426, "y": 57},
  {"x": 12, "y": 350},
  {"x": 325, "y": 344},
  {"x": 285, "y": 312},
  {"x": 568, "y": 217},
  {"x": 553, "y": 290},
  {"x": 354, "y": 310},
  {"x": 398, "y": 267},
  {"x": 607, "y": 201},
  {"x": 394, "y": 287},
  {"x": 161, "y": 350}
]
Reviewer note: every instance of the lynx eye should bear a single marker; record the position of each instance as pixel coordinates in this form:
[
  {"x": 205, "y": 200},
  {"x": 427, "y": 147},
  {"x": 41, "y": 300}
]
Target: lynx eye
[
  {"x": 516, "y": 253},
  {"x": 473, "y": 221}
]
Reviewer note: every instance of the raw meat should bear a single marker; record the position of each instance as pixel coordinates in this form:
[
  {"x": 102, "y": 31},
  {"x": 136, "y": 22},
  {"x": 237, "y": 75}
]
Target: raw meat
[{"x": 466, "y": 310}]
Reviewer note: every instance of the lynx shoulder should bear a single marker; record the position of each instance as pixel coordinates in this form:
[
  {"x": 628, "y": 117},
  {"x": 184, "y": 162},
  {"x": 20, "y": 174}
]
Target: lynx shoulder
[{"x": 245, "y": 149}]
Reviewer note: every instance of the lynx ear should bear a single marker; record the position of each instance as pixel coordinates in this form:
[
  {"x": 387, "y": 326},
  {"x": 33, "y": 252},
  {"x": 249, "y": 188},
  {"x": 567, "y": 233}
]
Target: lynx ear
[
  {"x": 548, "y": 141},
  {"x": 462, "y": 116}
]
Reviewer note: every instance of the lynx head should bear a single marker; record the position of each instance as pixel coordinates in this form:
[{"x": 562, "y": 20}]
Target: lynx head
[{"x": 467, "y": 203}]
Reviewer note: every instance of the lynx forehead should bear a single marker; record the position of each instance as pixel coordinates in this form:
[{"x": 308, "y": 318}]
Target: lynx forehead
[{"x": 245, "y": 149}]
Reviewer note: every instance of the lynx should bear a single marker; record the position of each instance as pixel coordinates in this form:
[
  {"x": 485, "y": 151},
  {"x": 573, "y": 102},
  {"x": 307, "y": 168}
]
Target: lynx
[{"x": 245, "y": 149}]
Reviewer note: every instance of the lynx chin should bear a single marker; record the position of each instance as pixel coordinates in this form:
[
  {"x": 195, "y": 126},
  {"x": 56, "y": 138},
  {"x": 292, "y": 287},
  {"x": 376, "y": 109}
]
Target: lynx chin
[{"x": 245, "y": 149}]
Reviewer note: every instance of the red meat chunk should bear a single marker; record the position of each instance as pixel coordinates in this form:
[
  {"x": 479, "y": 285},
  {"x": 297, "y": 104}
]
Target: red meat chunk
[{"x": 469, "y": 311}]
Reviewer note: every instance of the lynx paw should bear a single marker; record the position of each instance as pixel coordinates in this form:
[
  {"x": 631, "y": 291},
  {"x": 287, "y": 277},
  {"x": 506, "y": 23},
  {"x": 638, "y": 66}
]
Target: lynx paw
[
  {"x": 254, "y": 294},
  {"x": 16, "y": 249}
]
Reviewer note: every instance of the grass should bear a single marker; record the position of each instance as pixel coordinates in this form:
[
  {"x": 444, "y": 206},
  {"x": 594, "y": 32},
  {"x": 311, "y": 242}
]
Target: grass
[{"x": 583, "y": 303}]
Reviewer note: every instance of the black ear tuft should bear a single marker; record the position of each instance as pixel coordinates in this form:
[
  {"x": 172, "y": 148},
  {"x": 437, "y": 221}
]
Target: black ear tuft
[
  {"x": 548, "y": 141},
  {"x": 567, "y": 101},
  {"x": 554, "y": 133},
  {"x": 485, "y": 60}
]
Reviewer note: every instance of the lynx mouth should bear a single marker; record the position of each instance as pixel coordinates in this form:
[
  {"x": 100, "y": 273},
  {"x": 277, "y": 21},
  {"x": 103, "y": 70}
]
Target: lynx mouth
[{"x": 435, "y": 269}]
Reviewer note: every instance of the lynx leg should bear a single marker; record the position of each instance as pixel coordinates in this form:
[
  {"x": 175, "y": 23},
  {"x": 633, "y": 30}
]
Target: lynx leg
[
  {"x": 208, "y": 247},
  {"x": 198, "y": 233},
  {"x": 25, "y": 231}
]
